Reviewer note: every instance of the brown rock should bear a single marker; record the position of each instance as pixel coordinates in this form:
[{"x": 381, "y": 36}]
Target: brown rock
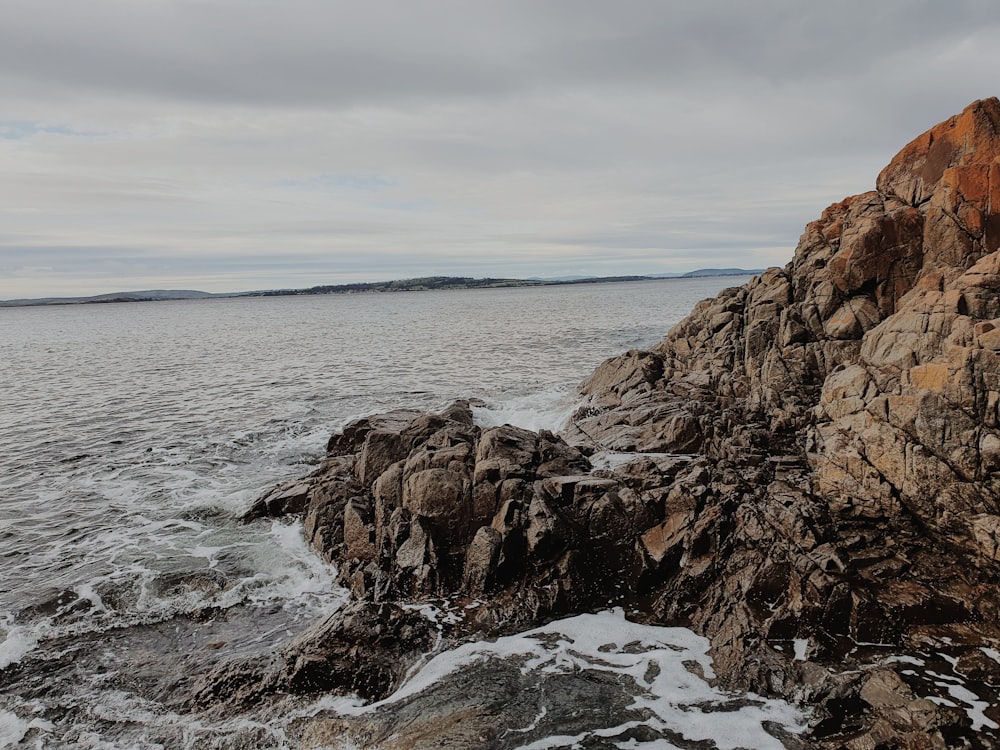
[
  {"x": 445, "y": 498},
  {"x": 286, "y": 498},
  {"x": 664, "y": 537},
  {"x": 359, "y": 537},
  {"x": 481, "y": 561},
  {"x": 846, "y": 493},
  {"x": 885, "y": 689},
  {"x": 970, "y": 137}
]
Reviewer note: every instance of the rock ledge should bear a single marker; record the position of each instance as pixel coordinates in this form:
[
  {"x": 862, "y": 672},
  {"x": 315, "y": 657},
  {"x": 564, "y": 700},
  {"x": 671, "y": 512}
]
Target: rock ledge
[{"x": 816, "y": 487}]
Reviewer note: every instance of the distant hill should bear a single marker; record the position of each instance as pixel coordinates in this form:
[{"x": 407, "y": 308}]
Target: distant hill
[
  {"x": 148, "y": 295},
  {"x": 709, "y": 272},
  {"x": 152, "y": 294},
  {"x": 422, "y": 283},
  {"x": 721, "y": 272}
]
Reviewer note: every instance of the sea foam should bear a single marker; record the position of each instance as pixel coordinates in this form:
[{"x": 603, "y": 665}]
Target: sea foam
[
  {"x": 549, "y": 409},
  {"x": 676, "y": 696}
]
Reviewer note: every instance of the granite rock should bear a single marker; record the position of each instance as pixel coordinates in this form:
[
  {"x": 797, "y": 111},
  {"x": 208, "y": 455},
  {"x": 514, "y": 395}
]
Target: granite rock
[{"x": 821, "y": 497}]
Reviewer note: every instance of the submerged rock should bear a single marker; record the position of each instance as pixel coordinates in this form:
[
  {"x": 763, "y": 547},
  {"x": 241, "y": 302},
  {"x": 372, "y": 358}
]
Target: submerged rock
[
  {"x": 363, "y": 648},
  {"x": 823, "y": 496}
]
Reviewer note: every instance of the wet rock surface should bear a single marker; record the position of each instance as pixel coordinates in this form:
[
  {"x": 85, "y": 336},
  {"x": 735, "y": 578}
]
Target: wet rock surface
[
  {"x": 143, "y": 675},
  {"x": 488, "y": 705},
  {"x": 820, "y": 494},
  {"x": 363, "y": 648}
]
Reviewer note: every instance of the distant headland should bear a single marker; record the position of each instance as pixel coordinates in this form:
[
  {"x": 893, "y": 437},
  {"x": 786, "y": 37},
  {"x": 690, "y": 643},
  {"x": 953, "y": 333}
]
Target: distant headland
[{"x": 420, "y": 284}]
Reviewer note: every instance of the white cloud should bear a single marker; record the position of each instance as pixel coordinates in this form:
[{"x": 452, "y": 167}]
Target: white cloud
[{"x": 229, "y": 145}]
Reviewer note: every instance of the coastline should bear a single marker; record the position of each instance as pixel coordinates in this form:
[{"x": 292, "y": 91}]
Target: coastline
[
  {"x": 814, "y": 491},
  {"x": 436, "y": 283}
]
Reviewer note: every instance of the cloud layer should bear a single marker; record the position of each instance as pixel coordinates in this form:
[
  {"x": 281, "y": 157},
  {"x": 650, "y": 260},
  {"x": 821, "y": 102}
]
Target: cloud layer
[{"x": 225, "y": 145}]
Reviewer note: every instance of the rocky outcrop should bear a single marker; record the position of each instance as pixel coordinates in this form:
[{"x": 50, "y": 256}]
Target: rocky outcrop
[
  {"x": 816, "y": 485},
  {"x": 384, "y": 638},
  {"x": 864, "y": 373},
  {"x": 413, "y": 506}
]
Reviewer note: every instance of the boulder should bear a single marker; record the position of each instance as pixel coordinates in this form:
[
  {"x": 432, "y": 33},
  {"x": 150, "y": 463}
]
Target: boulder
[
  {"x": 285, "y": 499},
  {"x": 363, "y": 648}
]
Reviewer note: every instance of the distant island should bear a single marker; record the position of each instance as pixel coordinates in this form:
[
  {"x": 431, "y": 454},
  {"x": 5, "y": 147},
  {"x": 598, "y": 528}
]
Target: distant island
[{"x": 424, "y": 283}]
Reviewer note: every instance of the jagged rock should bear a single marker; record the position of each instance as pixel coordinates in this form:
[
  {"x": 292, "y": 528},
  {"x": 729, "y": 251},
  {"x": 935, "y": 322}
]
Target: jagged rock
[
  {"x": 481, "y": 561},
  {"x": 364, "y": 649},
  {"x": 285, "y": 499},
  {"x": 844, "y": 502}
]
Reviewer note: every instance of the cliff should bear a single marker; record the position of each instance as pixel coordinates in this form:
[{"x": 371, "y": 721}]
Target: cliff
[{"x": 815, "y": 485}]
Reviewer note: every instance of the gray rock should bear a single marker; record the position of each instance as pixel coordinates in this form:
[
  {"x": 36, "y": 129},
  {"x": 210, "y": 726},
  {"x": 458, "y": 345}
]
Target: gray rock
[{"x": 845, "y": 413}]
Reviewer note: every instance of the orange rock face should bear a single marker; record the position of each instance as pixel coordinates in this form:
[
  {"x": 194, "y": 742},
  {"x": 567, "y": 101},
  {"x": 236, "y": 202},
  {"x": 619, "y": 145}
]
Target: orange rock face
[{"x": 973, "y": 137}]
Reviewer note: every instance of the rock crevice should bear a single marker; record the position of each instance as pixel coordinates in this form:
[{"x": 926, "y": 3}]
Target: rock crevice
[{"x": 816, "y": 485}]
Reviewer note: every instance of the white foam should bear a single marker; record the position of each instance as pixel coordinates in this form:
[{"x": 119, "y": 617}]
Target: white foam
[
  {"x": 19, "y": 643},
  {"x": 12, "y": 729},
  {"x": 974, "y": 706},
  {"x": 542, "y": 713},
  {"x": 565, "y": 740},
  {"x": 906, "y": 659},
  {"x": 284, "y": 570},
  {"x": 304, "y": 573},
  {"x": 208, "y": 553},
  {"x": 445, "y": 614},
  {"x": 86, "y": 592},
  {"x": 118, "y": 708},
  {"x": 544, "y": 410},
  {"x": 992, "y": 653},
  {"x": 673, "y": 695},
  {"x": 801, "y": 648}
]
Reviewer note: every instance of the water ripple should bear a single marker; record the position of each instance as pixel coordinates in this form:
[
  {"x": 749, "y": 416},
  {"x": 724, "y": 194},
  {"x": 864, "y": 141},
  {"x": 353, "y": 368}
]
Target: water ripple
[{"x": 134, "y": 435}]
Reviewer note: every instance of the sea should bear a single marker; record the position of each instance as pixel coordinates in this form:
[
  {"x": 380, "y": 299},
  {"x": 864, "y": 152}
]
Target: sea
[{"x": 133, "y": 436}]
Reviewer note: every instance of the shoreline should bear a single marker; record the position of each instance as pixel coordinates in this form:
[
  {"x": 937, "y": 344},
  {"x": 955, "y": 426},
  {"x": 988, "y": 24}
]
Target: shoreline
[
  {"x": 444, "y": 283},
  {"x": 835, "y": 537}
]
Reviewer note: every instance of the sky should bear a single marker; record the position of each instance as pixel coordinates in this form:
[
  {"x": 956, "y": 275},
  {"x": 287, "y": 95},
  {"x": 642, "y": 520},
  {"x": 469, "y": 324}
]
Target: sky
[{"x": 231, "y": 145}]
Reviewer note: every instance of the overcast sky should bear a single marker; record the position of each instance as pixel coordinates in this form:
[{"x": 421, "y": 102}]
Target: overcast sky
[{"x": 229, "y": 145}]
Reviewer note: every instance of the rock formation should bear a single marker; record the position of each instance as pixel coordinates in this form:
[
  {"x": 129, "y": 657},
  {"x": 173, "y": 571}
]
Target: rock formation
[{"x": 816, "y": 485}]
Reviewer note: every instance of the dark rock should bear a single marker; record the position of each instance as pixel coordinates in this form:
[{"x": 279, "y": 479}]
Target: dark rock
[
  {"x": 492, "y": 706},
  {"x": 364, "y": 649},
  {"x": 285, "y": 499},
  {"x": 845, "y": 498}
]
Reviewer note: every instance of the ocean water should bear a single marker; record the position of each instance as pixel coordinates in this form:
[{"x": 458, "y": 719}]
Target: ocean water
[{"x": 133, "y": 435}]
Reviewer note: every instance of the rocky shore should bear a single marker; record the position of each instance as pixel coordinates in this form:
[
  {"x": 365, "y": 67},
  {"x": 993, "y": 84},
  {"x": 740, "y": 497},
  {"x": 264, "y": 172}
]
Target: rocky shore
[{"x": 806, "y": 471}]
